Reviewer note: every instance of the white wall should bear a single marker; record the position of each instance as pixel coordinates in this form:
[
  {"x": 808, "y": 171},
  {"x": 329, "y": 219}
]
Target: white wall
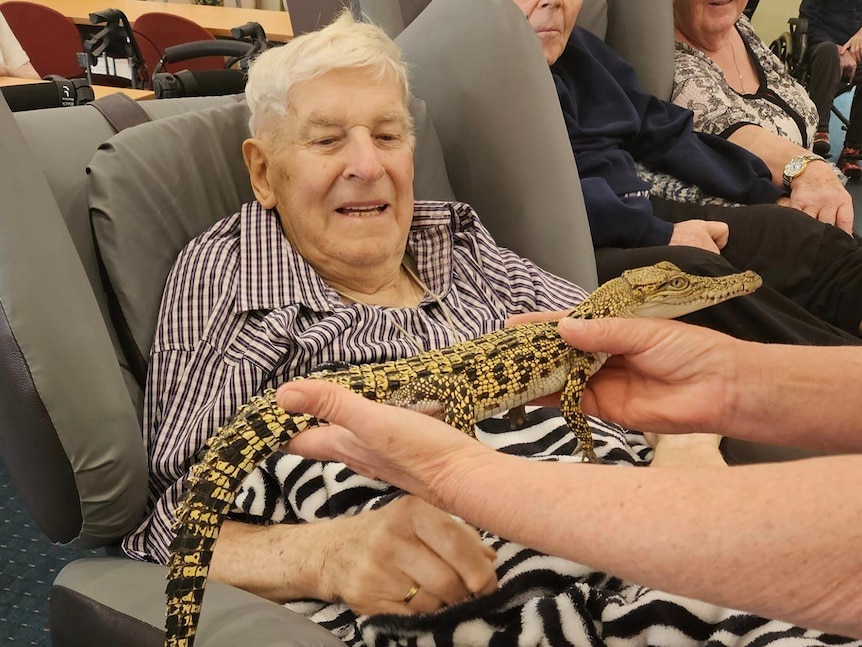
[{"x": 771, "y": 16}]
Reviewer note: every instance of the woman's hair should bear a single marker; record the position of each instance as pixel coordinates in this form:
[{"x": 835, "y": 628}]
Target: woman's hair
[{"x": 343, "y": 44}]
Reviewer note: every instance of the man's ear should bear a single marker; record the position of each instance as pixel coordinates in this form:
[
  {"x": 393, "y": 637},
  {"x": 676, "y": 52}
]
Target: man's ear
[{"x": 256, "y": 163}]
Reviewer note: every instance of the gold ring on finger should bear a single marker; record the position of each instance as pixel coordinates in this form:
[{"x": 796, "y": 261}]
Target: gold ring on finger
[{"x": 411, "y": 594}]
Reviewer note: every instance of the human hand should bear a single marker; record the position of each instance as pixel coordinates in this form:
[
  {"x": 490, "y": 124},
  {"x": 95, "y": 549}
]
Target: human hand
[
  {"x": 848, "y": 65},
  {"x": 705, "y": 234},
  {"x": 405, "y": 448},
  {"x": 819, "y": 193},
  {"x": 854, "y": 46},
  {"x": 663, "y": 376},
  {"x": 378, "y": 556}
]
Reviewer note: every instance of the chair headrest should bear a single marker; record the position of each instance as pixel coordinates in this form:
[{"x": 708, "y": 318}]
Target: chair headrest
[{"x": 153, "y": 188}]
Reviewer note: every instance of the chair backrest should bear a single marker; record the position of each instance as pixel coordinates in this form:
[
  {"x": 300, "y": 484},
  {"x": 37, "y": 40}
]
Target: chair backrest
[
  {"x": 392, "y": 15},
  {"x": 151, "y": 190},
  {"x": 594, "y": 17},
  {"x": 640, "y": 32},
  {"x": 155, "y": 32},
  {"x": 50, "y": 39},
  {"x": 69, "y": 432},
  {"x": 480, "y": 70}
]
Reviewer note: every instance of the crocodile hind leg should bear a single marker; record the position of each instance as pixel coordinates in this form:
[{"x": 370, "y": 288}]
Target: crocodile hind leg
[
  {"x": 446, "y": 396},
  {"x": 257, "y": 431},
  {"x": 570, "y": 402}
]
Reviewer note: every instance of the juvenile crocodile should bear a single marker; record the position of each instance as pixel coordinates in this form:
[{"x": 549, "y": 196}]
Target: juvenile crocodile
[{"x": 461, "y": 385}]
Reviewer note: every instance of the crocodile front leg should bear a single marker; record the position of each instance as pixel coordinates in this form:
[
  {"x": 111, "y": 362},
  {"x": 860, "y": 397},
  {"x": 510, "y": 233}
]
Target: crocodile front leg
[{"x": 584, "y": 365}]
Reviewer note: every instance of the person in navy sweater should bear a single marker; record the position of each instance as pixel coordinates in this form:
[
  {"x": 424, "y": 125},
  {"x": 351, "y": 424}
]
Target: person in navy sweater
[{"x": 812, "y": 271}]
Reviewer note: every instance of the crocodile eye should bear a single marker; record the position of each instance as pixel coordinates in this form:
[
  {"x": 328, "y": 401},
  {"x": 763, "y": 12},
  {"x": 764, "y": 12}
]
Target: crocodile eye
[{"x": 678, "y": 283}]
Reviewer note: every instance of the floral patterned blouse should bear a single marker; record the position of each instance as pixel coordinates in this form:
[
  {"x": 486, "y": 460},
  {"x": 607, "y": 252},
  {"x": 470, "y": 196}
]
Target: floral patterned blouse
[{"x": 780, "y": 105}]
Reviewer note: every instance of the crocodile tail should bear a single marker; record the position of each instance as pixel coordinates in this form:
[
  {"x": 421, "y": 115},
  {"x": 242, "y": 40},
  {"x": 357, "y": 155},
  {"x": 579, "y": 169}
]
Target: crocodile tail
[{"x": 256, "y": 432}]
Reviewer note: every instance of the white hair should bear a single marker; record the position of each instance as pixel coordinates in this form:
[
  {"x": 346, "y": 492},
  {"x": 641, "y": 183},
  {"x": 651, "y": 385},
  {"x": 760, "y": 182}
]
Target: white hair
[{"x": 343, "y": 44}]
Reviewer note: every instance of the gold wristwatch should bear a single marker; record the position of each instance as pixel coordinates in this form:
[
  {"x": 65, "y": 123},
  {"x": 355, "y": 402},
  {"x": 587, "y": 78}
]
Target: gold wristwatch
[{"x": 796, "y": 166}]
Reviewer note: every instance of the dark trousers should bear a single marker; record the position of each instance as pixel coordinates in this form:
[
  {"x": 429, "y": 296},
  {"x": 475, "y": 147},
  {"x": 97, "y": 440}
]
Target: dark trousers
[
  {"x": 823, "y": 83},
  {"x": 812, "y": 273}
]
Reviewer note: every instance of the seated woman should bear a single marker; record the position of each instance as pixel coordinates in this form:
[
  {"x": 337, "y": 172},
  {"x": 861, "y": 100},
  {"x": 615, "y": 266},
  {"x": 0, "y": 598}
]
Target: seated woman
[
  {"x": 13, "y": 59},
  {"x": 739, "y": 90},
  {"x": 335, "y": 262}
]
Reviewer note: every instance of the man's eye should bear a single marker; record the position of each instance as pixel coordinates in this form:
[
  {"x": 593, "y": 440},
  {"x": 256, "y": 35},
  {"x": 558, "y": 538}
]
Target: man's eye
[{"x": 389, "y": 137}]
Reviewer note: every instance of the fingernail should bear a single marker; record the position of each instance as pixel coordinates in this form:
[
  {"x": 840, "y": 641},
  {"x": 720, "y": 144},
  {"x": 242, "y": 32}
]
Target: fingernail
[
  {"x": 572, "y": 325},
  {"x": 291, "y": 400}
]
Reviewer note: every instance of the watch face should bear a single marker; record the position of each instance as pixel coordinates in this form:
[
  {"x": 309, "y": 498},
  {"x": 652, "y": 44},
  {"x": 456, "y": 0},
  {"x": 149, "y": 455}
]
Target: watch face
[{"x": 794, "y": 166}]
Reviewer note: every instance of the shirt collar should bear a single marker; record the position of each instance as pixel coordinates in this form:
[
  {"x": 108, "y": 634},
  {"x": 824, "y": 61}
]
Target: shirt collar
[{"x": 273, "y": 275}]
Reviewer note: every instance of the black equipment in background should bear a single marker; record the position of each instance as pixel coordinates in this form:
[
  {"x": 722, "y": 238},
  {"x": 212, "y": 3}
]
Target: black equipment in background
[
  {"x": 186, "y": 83},
  {"x": 198, "y": 84},
  {"x": 237, "y": 49},
  {"x": 55, "y": 92},
  {"x": 116, "y": 40}
]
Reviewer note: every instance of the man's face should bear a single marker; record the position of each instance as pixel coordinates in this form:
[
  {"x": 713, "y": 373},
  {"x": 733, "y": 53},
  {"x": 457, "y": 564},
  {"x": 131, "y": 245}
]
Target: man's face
[
  {"x": 553, "y": 21},
  {"x": 340, "y": 171}
]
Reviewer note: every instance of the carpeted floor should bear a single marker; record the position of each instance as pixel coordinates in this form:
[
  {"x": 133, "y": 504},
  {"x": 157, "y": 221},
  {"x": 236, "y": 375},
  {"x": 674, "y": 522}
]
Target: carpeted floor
[
  {"x": 836, "y": 138},
  {"x": 28, "y": 565}
]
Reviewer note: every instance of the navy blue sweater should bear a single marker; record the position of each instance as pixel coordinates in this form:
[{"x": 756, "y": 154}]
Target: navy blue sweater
[{"x": 612, "y": 123}]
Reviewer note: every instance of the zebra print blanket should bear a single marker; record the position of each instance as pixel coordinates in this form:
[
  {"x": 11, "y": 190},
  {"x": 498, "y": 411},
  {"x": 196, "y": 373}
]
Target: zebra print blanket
[{"x": 543, "y": 600}]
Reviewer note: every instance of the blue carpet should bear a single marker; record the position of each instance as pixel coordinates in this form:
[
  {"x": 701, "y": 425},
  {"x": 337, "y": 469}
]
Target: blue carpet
[
  {"x": 28, "y": 565},
  {"x": 836, "y": 139}
]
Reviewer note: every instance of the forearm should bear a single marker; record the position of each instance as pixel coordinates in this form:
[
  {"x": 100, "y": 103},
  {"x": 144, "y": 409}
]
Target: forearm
[
  {"x": 279, "y": 562},
  {"x": 721, "y": 168},
  {"x": 817, "y": 190},
  {"x": 776, "y": 540},
  {"x": 773, "y": 149},
  {"x": 26, "y": 71},
  {"x": 798, "y": 396}
]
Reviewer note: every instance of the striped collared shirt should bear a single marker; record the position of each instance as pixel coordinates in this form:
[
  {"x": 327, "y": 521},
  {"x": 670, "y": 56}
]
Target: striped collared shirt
[{"x": 243, "y": 311}]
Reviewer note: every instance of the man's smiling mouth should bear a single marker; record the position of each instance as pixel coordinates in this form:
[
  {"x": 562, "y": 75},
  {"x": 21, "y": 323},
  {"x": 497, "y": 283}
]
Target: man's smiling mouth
[{"x": 362, "y": 211}]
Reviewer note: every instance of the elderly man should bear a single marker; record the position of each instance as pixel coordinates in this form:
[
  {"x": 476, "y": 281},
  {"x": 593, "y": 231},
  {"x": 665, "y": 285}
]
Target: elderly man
[
  {"x": 612, "y": 125},
  {"x": 334, "y": 262}
]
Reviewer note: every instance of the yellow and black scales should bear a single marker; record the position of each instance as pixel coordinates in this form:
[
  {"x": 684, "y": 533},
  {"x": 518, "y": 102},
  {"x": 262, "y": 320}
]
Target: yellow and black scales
[{"x": 462, "y": 385}]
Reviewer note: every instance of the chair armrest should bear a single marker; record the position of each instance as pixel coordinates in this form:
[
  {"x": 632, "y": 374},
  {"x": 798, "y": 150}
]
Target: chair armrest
[{"x": 117, "y": 601}]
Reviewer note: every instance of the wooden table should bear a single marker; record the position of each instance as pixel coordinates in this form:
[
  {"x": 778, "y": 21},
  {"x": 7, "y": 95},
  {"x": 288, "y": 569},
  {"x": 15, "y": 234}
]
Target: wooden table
[
  {"x": 217, "y": 20},
  {"x": 98, "y": 90}
]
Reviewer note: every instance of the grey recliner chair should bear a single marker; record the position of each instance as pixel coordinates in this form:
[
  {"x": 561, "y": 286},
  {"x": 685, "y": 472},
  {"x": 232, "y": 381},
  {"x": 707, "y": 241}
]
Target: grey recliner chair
[
  {"x": 642, "y": 33},
  {"x": 69, "y": 423},
  {"x": 70, "y": 390},
  {"x": 392, "y": 15}
]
